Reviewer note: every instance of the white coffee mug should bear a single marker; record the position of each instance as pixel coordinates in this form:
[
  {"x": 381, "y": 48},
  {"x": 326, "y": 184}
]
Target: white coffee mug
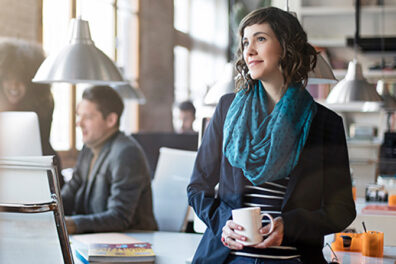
[{"x": 250, "y": 218}]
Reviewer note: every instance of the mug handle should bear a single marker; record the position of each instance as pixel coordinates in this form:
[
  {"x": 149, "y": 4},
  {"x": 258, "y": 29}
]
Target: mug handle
[{"x": 272, "y": 224}]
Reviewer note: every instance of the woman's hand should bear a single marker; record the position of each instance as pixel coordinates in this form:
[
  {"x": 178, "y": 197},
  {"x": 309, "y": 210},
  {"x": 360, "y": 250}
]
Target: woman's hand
[
  {"x": 273, "y": 239},
  {"x": 228, "y": 237}
]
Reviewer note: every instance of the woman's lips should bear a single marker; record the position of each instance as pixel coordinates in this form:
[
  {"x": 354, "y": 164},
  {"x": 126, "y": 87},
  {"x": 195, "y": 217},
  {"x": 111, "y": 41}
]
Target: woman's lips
[{"x": 254, "y": 62}]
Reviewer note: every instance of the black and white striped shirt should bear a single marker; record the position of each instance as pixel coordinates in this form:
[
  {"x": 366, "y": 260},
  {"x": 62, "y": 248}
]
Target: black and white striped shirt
[{"x": 269, "y": 198}]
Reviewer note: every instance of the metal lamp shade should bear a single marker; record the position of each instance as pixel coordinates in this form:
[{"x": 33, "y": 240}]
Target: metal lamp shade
[
  {"x": 128, "y": 92},
  {"x": 225, "y": 84},
  {"x": 79, "y": 62},
  {"x": 322, "y": 73},
  {"x": 353, "y": 88},
  {"x": 218, "y": 90}
]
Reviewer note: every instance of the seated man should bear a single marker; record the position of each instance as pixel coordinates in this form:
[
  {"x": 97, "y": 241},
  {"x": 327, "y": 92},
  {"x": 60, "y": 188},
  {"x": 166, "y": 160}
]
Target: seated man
[
  {"x": 186, "y": 117},
  {"x": 110, "y": 189}
]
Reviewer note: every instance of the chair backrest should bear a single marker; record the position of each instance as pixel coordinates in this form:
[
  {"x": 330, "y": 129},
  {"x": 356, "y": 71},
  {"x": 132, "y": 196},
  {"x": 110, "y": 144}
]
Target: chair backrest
[
  {"x": 169, "y": 186},
  {"x": 32, "y": 227},
  {"x": 151, "y": 143}
]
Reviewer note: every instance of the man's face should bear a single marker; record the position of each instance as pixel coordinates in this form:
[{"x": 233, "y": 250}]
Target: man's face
[
  {"x": 187, "y": 119},
  {"x": 94, "y": 127}
]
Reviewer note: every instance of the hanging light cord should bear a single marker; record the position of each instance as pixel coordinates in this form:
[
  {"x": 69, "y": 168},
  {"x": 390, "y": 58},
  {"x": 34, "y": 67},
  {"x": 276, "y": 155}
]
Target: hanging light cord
[
  {"x": 357, "y": 28},
  {"x": 381, "y": 2},
  {"x": 80, "y": 9}
]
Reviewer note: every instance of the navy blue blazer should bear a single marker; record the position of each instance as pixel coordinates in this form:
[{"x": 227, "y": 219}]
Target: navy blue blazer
[{"x": 318, "y": 199}]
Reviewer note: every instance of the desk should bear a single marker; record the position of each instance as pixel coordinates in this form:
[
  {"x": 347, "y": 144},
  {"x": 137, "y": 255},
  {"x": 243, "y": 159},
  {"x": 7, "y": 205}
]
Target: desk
[
  {"x": 176, "y": 248},
  {"x": 378, "y": 222},
  {"x": 169, "y": 247},
  {"x": 358, "y": 258}
]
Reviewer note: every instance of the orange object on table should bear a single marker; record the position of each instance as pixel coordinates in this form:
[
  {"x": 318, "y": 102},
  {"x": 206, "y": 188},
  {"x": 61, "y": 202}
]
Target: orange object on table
[
  {"x": 373, "y": 244},
  {"x": 355, "y": 243},
  {"x": 392, "y": 200},
  {"x": 354, "y": 192}
]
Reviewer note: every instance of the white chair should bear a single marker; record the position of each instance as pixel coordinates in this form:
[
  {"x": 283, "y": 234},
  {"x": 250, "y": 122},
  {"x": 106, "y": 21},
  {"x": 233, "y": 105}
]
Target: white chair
[
  {"x": 169, "y": 186},
  {"x": 32, "y": 227}
]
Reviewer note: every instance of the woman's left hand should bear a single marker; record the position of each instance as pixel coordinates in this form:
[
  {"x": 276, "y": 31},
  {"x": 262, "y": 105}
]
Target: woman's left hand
[{"x": 275, "y": 238}]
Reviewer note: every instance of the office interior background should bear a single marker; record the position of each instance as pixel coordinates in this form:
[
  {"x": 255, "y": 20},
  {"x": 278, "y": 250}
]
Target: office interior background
[{"x": 174, "y": 50}]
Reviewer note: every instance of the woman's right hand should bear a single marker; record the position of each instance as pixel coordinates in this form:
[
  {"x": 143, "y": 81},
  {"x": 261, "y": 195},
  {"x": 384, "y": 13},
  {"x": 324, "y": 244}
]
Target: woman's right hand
[{"x": 228, "y": 237}]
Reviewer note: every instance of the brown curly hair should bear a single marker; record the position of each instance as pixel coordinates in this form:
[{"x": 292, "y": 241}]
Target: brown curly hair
[{"x": 298, "y": 56}]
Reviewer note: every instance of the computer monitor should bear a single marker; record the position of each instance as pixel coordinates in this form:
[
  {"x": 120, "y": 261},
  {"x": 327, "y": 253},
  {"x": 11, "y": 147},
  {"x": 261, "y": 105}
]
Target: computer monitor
[
  {"x": 19, "y": 134},
  {"x": 151, "y": 143}
]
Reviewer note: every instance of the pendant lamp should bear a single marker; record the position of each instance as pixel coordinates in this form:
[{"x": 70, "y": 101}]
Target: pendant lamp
[
  {"x": 128, "y": 92},
  {"x": 354, "y": 87},
  {"x": 79, "y": 62},
  {"x": 322, "y": 73},
  {"x": 225, "y": 84}
]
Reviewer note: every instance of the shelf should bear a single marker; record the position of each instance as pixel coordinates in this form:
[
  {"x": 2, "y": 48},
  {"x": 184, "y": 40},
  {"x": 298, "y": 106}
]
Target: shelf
[
  {"x": 336, "y": 11},
  {"x": 371, "y": 74},
  {"x": 327, "y": 42},
  {"x": 364, "y": 143},
  {"x": 367, "y": 107}
]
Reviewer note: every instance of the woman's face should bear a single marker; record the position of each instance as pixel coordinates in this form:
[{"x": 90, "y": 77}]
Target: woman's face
[
  {"x": 13, "y": 90},
  {"x": 261, "y": 52}
]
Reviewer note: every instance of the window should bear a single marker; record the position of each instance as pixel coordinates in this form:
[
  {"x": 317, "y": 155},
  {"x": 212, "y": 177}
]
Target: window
[
  {"x": 56, "y": 16},
  {"x": 113, "y": 26},
  {"x": 200, "y": 53}
]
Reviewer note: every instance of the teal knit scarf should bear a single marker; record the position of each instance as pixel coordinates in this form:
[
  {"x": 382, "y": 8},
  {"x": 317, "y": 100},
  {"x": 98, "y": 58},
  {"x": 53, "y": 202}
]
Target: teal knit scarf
[{"x": 267, "y": 146}]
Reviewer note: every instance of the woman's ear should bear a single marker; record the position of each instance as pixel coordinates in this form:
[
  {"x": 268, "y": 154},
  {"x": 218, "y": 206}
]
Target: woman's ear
[{"x": 111, "y": 120}]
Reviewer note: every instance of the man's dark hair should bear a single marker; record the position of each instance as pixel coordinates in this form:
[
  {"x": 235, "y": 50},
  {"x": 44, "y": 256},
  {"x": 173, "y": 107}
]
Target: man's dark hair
[
  {"x": 106, "y": 99},
  {"x": 187, "y": 106}
]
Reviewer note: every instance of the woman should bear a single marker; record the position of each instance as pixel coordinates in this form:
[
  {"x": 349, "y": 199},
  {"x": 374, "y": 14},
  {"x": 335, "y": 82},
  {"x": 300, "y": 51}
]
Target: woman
[
  {"x": 19, "y": 62},
  {"x": 271, "y": 145}
]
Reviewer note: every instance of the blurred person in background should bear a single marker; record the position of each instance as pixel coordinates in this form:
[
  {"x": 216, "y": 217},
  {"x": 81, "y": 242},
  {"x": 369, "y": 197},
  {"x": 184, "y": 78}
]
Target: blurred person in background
[
  {"x": 186, "y": 117},
  {"x": 19, "y": 62}
]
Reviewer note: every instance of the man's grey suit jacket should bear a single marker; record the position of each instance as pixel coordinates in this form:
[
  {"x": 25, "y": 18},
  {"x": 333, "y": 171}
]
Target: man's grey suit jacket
[{"x": 116, "y": 195}]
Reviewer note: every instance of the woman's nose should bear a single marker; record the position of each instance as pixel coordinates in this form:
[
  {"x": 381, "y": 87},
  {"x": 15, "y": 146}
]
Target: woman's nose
[{"x": 251, "y": 49}]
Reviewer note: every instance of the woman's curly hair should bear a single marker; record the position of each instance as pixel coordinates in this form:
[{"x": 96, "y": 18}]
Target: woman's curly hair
[
  {"x": 20, "y": 60},
  {"x": 298, "y": 56}
]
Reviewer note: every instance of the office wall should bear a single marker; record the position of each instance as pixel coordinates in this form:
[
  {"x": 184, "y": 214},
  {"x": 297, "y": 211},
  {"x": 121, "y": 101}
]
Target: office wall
[
  {"x": 156, "y": 74},
  {"x": 21, "y": 19}
]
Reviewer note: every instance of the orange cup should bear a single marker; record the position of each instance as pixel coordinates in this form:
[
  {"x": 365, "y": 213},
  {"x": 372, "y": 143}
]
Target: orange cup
[
  {"x": 373, "y": 244},
  {"x": 392, "y": 200}
]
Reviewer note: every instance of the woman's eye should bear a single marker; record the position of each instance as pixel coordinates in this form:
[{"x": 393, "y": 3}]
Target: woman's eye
[
  {"x": 245, "y": 44},
  {"x": 260, "y": 38}
]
